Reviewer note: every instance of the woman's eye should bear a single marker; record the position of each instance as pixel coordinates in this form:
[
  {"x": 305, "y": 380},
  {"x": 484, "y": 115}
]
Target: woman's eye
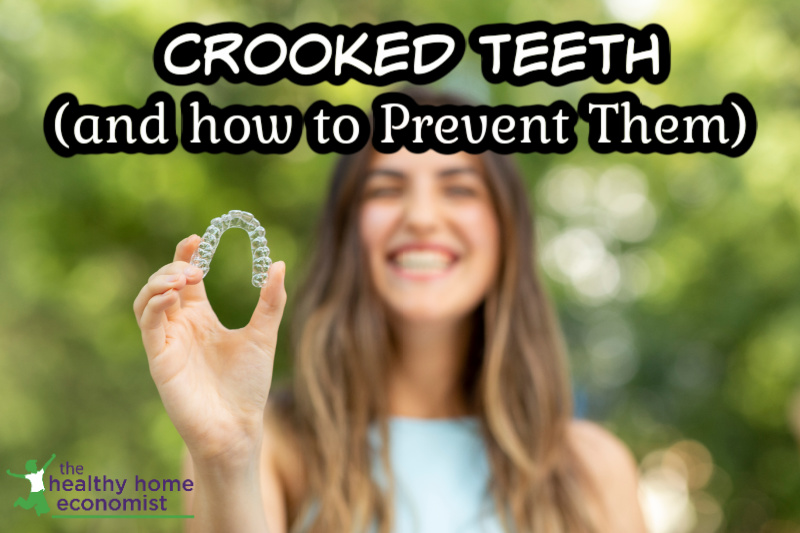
[
  {"x": 460, "y": 190},
  {"x": 383, "y": 192}
]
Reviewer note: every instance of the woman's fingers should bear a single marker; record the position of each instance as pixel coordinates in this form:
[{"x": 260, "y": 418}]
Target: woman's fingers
[
  {"x": 185, "y": 248},
  {"x": 191, "y": 287},
  {"x": 183, "y": 253},
  {"x": 157, "y": 285},
  {"x": 172, "y": 276},
  {"x": 267, "y": 316},
  {"x": 153, "y": 321}
]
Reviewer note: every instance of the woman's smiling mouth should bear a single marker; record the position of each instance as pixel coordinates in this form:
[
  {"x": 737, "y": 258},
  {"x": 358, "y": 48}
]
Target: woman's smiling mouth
[{"x": 422, "y": 261}]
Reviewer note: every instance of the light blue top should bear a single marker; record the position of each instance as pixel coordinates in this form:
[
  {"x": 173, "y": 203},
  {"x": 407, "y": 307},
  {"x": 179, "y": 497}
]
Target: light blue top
[{"x": 442, "y": 474}]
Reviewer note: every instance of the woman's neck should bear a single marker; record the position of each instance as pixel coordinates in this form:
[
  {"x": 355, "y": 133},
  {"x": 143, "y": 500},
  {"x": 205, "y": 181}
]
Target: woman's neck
[{"x": 426, "y": 376}]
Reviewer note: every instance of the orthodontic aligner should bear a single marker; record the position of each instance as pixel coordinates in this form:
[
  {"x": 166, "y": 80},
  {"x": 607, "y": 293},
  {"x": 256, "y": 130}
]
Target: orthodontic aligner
[{"x": 201, "y": 258}]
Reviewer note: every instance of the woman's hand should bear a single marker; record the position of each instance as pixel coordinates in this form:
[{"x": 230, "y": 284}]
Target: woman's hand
[{"x": 213, "y": 381}]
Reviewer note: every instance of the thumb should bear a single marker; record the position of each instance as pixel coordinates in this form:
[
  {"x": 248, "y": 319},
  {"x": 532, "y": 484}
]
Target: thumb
[{"x": 269, "y": 311}]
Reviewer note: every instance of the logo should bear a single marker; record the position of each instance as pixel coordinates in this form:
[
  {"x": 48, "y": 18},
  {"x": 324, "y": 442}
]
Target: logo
[
  {"x": 87, "y": 495},
  {"x": 36, "y": 499}
]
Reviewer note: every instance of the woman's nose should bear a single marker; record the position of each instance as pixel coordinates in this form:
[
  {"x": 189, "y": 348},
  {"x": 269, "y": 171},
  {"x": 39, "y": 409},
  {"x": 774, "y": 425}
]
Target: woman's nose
[{"x": 422, "y": 210}]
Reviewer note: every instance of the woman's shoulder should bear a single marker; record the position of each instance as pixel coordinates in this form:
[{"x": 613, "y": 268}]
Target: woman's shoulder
[
  {"x": 612, "y": 469},
  {"x": 592, "y": 441}
]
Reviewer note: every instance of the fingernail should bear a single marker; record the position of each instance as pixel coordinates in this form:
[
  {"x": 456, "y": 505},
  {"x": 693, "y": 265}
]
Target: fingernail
[
  {"x": 172, "y": 279},
  {"x": 191, "y": 271}
]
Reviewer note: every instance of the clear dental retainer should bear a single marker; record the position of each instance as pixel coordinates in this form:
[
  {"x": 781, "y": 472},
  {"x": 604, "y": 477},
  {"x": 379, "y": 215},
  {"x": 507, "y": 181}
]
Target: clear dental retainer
[{"x": 201, "y": 258}]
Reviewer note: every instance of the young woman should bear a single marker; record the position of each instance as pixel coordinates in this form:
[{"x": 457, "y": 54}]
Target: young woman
[{"x": 430, "y": 392}]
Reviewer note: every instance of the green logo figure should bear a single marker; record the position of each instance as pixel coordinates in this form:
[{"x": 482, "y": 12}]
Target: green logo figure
[{"x": 36, "y": 497}]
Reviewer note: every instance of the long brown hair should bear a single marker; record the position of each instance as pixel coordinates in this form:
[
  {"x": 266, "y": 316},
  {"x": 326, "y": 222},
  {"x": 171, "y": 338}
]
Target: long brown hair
[{"x": 516, "y": 379}]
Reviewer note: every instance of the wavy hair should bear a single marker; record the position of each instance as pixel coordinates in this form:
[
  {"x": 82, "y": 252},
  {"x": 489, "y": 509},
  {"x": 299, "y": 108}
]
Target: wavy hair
[{"x": 516, "y": 379}]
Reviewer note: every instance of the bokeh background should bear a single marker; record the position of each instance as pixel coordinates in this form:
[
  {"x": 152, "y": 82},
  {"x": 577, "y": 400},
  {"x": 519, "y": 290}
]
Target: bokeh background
[{"x": 677, "y": 277}]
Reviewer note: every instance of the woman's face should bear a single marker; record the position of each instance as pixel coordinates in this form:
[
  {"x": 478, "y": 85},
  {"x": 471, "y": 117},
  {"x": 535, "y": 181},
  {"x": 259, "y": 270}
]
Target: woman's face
[{"x": 431, "y": 234}]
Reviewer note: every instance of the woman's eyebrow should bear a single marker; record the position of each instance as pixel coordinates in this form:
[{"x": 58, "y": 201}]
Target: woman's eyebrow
[
  {"x": 458, "y": 170},
  {"x": 386, "y": 172}
]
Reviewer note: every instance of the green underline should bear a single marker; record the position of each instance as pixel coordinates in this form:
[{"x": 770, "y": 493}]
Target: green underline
[{"x": 123, "y": 516}]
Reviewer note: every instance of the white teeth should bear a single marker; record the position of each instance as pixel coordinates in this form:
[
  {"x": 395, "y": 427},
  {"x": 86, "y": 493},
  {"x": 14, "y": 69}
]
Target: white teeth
[{"x": 423, "y": 260}]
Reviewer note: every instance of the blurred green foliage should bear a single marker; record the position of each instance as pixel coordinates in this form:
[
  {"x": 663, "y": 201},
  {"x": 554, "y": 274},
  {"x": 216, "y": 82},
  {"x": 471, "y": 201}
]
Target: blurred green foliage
[{"x": 676, "y": 276}]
